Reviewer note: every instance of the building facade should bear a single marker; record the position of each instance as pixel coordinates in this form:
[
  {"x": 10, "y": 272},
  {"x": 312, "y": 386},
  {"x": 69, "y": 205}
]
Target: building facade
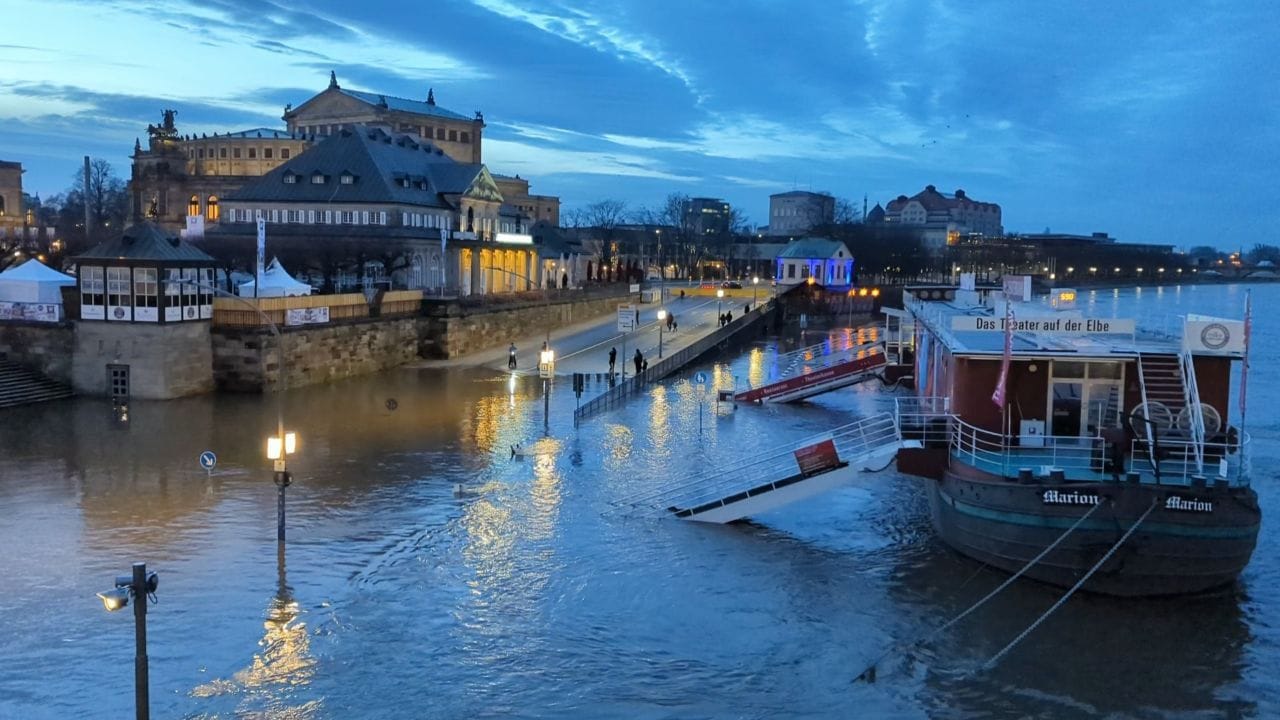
[
  {"x": 707, "y": 216},
  {"x": 366, "y": 185},
  {"x": 534, "y": 208},
  {"x": 943, "y": 218},
  {"x": 11, "y": 210},
  {"x": 792, "y": 214},
  {"x": 818, "y": 260},
  {"x": 180, "y": 176},
  {"x": 459, "y": 136}
]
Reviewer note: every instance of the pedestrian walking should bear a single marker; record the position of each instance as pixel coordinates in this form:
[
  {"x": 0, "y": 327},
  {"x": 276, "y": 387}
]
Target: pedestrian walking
[
  {"x": 511, "y": 357},
  {"x": 637, "y": 317},
  {"x": 682, "y": 295},
  {"x": 613, "y": 357},
  {"x": 728, "y": 317},
  {"x": 638, "y": 360},
  {"x": 746, "y": 308},
  {"x": 674, "y": 325},
  {"x": 644, "y": 366}
]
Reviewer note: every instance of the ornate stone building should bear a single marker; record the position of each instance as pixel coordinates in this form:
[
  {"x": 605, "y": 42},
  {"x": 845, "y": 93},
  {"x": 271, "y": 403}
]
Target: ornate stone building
[
  {"x": 459, "y": 136},
  {"x": 941, "y": 218},
  {"x": 177, "y": 176},
  {"x": 533, "y": 208},
  {"x": 10, "y": 194},
  {"x": 363, "y": 184}
]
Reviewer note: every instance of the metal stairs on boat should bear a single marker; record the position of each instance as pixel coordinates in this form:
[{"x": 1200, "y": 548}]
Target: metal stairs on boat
[
  {"x": 1161, "y": 378},
  {"x": 20, "y": 386},
  {"x": 776, "y": 478}
]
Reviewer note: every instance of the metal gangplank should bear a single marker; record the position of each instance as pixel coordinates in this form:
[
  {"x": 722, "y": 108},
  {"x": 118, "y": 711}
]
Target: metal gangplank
[
  {"x": 818, "y": 369},
  {"x": 774, "y": 478}
]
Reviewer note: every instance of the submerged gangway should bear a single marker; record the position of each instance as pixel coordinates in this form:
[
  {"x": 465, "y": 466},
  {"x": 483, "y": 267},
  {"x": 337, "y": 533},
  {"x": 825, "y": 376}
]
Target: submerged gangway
[
  {"x": 818, "y": 369},
  {"x": 777, "y": 477}
]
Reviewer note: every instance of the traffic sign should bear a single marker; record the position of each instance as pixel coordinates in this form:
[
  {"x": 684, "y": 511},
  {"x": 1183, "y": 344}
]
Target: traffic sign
[
  {"x": 208, "y": 460},
  {"x": 626, "y": 318},
  {"x": 700, "y": 378}
]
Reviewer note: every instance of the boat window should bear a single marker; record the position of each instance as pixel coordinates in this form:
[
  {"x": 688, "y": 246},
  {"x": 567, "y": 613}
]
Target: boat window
[
  {"x": 1068, "y": 369},
  {"x": 1109, "y": 370}
]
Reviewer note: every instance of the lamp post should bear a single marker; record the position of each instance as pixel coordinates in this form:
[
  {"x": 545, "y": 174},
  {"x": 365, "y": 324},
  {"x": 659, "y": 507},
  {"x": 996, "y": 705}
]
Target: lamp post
[
  {"x": 279, "y": 448},
  {"x": 755, "y": 283},
  {"x": 719, "y": 297},
  {"x": 546, "y": 368},
  {"x": 662, "y": 317},
  {"x": 137, "y": 587}
]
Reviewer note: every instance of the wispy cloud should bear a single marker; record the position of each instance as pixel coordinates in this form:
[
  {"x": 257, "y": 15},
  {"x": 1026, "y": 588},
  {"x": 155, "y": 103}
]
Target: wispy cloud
[
  {"x": 508, "y": 156},
  {"x": 595, "y": 32}
]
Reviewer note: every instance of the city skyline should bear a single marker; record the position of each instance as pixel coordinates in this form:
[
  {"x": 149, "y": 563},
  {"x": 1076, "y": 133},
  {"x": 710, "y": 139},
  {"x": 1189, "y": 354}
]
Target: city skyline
[{"x": 1150, "y": 126}]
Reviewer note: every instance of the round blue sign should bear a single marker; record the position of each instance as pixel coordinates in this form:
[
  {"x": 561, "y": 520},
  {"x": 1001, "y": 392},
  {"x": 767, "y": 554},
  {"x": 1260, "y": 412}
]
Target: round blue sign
[
  {"x": 208, "y": 460},
  {"x": 700, "y": 378}
]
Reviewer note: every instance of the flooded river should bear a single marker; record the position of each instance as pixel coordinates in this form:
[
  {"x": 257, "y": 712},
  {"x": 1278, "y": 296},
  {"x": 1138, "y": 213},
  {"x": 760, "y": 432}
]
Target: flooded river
[{"x": 523, "y": 597}]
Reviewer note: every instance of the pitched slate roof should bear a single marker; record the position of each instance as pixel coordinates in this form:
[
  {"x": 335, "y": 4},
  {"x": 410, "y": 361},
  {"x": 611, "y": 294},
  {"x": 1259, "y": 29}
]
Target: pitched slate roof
[
  {"x": 810, "y": 248},
  {"x": 933, "y": 200},
  {"x": 145, "y": 241},
  {"x": 379, "y": 163},
  {"x": 403, "y": 104}
]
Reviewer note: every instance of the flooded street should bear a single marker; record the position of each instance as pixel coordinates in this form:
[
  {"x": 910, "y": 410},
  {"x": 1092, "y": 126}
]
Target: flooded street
[{"x": 526, "y": 596}]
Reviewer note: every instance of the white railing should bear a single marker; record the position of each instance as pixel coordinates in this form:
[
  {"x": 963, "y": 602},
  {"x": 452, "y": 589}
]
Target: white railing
[
  {"x": 1177, "y": 462},
  {"x": 851, "y": 441},
  {"x": 985, "y": 449},
  {"x": 817, "y": 356},
  {"x": 1148, "y": 428},
  {"x": 1191, "y": 394}
]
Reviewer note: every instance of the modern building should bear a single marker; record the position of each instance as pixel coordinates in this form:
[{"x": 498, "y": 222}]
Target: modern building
[
  {"x": 180, "y": 176},
  {"x": 792, "y": 214},
  {"x": 943, "y": 218},
  {"x": 534, "y": 208},
  {"x": 828, "y": 262},
  {"x": 458, "y": 136},
  {"x": 707, "y": 216},
  {"x": 366, "y": 185}
]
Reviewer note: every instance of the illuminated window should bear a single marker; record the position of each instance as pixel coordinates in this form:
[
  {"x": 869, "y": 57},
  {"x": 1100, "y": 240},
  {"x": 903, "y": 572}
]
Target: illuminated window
[
  {"x": 290, "y": 178},
  {"x": 211, "y": 209},
  {"x": 347, "y": 179},
  {"x": 193, "y": 206},
  {"x": 317, "y": 179}
]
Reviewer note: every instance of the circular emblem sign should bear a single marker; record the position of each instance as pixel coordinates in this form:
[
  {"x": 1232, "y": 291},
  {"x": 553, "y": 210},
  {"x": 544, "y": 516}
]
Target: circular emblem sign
[
  {"x": 118, "y": 313},
  {"x": 1215, "y": 336}
]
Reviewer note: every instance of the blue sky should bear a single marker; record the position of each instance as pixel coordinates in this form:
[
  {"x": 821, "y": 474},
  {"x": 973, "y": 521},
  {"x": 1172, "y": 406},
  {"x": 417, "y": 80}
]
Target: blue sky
[{"x": 1156, "y": 122}]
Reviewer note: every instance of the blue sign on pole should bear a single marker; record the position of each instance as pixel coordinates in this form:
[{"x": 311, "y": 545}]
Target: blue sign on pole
[
  {"x": 208, "y": 460},
  {"x": 700, "y": 378}
]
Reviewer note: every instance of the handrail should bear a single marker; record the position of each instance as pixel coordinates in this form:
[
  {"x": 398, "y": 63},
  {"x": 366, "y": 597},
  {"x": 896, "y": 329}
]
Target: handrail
[
  {"x": 1191, "y": 395},
  {"x": 1147, "y": 427},
  {"x": 851, "y": 441},
  {"x": 1175, "y": 459}
]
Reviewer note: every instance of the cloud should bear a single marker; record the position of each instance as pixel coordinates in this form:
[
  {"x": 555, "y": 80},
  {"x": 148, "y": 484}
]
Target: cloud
[
  {"x": 583, "y": 28},
  {"x": 511, "y": 157}
]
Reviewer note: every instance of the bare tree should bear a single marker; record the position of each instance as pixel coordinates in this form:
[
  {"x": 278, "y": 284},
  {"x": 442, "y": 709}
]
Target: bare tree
[
  {"x": 847, "y": 213},
  {"x": 604, "y": 217}
]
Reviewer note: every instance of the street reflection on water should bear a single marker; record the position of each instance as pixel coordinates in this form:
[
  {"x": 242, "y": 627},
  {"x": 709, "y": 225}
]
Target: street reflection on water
[{"x": 428, "y": 573}]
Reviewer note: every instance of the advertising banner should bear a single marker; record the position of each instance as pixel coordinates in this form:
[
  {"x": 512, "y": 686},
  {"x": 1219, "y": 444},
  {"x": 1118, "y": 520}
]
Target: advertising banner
[
  {"x": 816, "y": 458},
  {"x": 307, "y": 316}
]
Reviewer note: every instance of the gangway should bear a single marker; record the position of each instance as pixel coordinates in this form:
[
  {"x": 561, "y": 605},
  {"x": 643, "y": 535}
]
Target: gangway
[
  {"x": 811, "y": 371},
  {"x": 779, "y": 477}
]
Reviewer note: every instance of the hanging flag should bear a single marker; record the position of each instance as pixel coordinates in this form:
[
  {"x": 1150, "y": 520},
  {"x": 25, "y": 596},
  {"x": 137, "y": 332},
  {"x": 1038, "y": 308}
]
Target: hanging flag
[
  {"x": 1244, "y": 366},
  {"x": 998, "y": 397}
]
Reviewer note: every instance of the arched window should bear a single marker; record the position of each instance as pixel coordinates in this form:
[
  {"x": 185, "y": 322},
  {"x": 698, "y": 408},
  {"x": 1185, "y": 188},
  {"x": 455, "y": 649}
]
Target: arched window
[
  {"x": 471, "y": 219},
  {"x": 193, "y": 206},
  {"x": 211, "y": 209}
]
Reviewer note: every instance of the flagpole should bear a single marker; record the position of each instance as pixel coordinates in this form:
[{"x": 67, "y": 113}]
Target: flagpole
[{"x": 1244, "y": 366}]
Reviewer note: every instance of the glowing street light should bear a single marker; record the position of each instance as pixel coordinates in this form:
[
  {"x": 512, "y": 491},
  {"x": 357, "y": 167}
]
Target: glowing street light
[
  {"x": 138, "y": 587},
  {"x": 755, "y": 281},
  {"x": 279, "y": 448},
  {"x": 719, "y": 297}
]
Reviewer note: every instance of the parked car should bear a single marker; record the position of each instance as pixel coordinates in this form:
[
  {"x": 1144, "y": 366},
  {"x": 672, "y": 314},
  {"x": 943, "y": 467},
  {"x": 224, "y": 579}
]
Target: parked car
[{"x": 731, "y": 284}]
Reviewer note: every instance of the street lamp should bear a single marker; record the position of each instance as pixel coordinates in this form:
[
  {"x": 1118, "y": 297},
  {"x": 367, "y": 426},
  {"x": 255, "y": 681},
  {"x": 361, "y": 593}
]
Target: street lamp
[
  {"x": 139, "y": 587},
  {"x": 662, "y": 317},
  {"x": 279, "y": 448},
  {"x": 719, "y": 297},
  {"x": 755, "y": 281},
  {"x": 546, "y": 368}
]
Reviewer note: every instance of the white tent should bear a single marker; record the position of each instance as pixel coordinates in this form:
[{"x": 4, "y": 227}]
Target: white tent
[
  {"x": 275, "y": 283},
  {"x": 33, "y": 282}
]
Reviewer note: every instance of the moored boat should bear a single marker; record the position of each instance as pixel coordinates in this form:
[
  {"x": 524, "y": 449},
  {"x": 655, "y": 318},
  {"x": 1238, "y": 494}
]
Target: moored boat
[{"x": 1110, "y": 444}]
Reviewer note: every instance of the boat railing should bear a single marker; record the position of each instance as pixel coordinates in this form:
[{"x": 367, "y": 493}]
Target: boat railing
[
  {"x": 1178, "y": 463},
  {"x": 1079, "y": 457},
  {"x": 924, "y": 419}
]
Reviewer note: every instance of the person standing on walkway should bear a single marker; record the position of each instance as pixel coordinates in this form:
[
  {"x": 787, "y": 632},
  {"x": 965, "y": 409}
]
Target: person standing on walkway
[
  {"x": 638, "y": 360},
  {"x": 511, "y": 357},
  {"x": 613, "y": 358},
  {"x": 637, "y": 317}
]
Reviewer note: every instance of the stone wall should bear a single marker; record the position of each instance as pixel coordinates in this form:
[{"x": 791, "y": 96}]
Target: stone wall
[
  {"x": 450, "y": 330},
  {"x": 247, "y": 359},
  {"x": 166, "y": 360},
  {"x": 43, "y": 347}
]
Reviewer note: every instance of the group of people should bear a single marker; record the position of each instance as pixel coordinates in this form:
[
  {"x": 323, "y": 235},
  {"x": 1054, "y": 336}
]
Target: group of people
[
  {"x": 726, "y": 318},
  {"x": 638, "y": 359}
]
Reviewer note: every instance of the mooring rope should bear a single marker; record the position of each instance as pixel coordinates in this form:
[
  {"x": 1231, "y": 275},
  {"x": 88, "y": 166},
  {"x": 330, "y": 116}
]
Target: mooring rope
[
  {"x": 869, "y": 674},
  {"x": 996, "y": 658}
]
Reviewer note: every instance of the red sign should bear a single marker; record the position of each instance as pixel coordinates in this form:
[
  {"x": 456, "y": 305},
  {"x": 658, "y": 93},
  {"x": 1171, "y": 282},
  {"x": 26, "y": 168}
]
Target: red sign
[
  {"x": 818, "y": 457},
  {"x": 853, "y": 367}
]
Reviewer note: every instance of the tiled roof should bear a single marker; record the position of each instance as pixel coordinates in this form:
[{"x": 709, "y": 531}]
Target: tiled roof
[
  {"x": 145, "y": 241},
  {"x": 811, "y": 247},
  {"x": 404, "y": 104},
  {"x": 378, "y": 161},
  {"x": 933, "y": 200}
]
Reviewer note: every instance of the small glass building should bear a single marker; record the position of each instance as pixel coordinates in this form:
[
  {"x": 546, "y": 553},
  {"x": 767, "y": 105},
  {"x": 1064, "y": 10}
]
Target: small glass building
[{"x": 146, "y": 275}]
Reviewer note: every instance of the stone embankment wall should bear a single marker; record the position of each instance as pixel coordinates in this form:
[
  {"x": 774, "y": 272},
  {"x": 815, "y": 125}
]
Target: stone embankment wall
[
  {"x": 46, "y": 348},
  {"x": 247, "y": 359},
  {"x": 450, "y": 329},
  {"x": 165, "y": 361}
]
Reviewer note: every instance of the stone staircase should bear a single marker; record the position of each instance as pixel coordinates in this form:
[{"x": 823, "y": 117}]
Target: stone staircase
[{"x": 20, "y": 386}]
